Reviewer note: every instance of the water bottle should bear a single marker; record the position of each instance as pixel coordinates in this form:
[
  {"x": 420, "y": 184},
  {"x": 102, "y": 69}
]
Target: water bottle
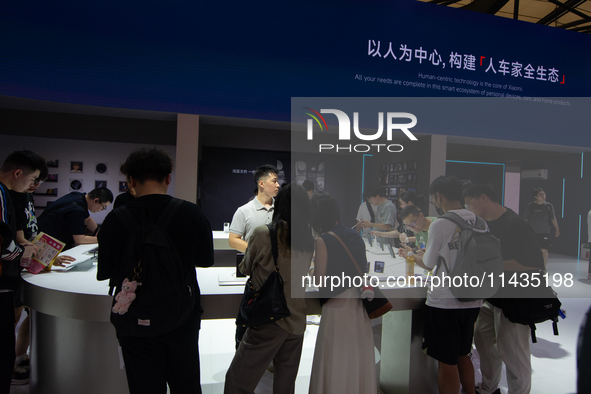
[{"x": 410, "y": 268}]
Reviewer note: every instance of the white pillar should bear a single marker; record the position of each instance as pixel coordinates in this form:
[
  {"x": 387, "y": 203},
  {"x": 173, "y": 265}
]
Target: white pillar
[{"x": 187, "y": 149}]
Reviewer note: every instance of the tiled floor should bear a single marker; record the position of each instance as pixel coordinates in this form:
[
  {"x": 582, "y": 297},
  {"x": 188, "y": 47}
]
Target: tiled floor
[{"x": 553, "y": 357}]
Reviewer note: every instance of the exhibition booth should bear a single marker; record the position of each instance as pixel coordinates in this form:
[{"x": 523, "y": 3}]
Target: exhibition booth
[{"x": 235, "y": 90}]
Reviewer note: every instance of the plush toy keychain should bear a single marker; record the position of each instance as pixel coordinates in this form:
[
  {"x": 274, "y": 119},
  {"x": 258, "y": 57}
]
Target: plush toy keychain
[
  {"x": 125, "y": 297},
  {"x": 367, "y": 292}
]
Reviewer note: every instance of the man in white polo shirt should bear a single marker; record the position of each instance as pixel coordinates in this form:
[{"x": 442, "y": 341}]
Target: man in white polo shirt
[{"x": 257, "y": 212}]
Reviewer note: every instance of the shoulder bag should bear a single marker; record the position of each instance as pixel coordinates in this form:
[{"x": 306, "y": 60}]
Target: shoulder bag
[
  {"x": 379, "y": 305},
  {"x": 267, "y": 304}
]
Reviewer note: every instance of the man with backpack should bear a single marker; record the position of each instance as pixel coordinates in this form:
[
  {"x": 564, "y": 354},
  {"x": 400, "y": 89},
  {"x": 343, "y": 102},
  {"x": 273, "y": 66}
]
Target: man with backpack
[
  {"x": 149, "y": 249},
  {"x": 448, "y": 322},
  {"x": 497, "y": 339}
]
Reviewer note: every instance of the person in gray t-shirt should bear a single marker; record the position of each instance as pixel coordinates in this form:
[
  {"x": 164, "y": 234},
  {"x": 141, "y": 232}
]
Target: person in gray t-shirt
[
  {"x": 385, "y": 217},
  {"x": 257, "y": 212},
  {"x": 540, "y": 216}
]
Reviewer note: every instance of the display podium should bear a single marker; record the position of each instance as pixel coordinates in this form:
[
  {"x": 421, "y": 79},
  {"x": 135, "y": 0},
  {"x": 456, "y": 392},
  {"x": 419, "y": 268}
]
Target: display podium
[{"x": 73, "y": 344}]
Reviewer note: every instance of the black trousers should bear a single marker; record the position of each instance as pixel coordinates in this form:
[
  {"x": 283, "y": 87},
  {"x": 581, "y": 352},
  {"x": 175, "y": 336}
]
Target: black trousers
[
  {"x": 171, "y": 358},
  {"x": 6, "y": 340}
]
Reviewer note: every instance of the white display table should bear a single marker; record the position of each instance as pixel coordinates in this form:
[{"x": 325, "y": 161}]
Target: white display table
[
  {"x": 73, "y": 343},
  {"x": 220, "y": 240}
]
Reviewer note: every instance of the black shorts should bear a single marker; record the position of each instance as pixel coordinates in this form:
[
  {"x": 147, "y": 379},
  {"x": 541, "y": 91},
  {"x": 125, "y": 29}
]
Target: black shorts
[
  {"x": 544, "y": 241},
  {"x": 448, "y": 333}
]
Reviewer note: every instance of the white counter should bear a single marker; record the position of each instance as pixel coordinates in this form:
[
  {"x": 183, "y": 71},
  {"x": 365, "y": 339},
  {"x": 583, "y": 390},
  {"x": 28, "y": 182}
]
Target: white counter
[
  {"x": 70, "y": 314},
  {"x": 220, "y": 241}
]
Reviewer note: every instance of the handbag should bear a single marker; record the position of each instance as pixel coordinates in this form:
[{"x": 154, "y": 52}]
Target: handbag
[
  {"x": 379, "y": 305},
  {"x": 267, "y": 304}
]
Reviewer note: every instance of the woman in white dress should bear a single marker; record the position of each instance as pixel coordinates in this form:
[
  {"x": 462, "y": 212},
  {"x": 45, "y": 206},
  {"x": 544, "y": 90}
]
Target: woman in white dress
[{"x": 344, "y": 360}]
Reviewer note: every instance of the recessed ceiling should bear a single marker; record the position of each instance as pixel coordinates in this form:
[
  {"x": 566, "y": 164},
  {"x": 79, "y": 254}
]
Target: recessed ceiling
[{"x": 571, "y": 14}]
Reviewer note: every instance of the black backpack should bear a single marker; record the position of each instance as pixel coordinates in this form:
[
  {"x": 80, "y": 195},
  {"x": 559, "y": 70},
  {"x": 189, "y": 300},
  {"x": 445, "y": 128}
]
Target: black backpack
[
  {"x": 165, "y": 295},
  {"x": 542, "y": 305}
]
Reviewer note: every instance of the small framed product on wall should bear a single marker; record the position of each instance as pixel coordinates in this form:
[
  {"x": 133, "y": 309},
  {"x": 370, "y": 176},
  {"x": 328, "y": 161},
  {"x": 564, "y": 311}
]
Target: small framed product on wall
[
  {"x": 101, "y": 168},
  {"x": 76, "y": 166},
  {"x": 123, "y": 186},
  {"x": 53, "y": 163},
  {"x": 51, "y": 178},
  {"x": 75, "y": 185},
  {"x": 98, "y": 184}
]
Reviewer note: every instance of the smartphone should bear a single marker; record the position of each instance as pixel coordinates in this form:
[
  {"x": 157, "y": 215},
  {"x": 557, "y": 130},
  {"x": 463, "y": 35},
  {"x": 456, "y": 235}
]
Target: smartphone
[
  {"x": 391, "y": 250},
  {"x": 239, "y": 257},
  {"x": 379, "y": 267}
]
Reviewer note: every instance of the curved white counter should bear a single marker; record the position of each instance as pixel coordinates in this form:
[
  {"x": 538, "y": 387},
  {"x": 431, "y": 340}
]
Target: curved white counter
[{"x": 73, "y": 343}]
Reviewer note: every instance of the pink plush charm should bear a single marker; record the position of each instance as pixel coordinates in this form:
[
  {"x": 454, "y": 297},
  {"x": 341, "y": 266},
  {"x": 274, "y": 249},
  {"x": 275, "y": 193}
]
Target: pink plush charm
[{"x": 125, "y": 297}]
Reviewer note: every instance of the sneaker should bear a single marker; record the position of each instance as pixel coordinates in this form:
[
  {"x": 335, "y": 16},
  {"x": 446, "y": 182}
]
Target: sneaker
[
  {"x": 20, "y": 375},
  {"x": 477, "y": 390},
  {"x": 25, "y": 361}
]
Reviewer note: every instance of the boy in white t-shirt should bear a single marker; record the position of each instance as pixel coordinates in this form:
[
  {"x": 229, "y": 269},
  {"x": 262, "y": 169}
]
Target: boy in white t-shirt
[{"x": 448, "y": 323}]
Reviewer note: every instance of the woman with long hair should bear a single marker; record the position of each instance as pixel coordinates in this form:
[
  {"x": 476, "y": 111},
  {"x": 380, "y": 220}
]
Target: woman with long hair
[
  {"x": 280, "y": 341},
  {"x": 344, "y": 360}
]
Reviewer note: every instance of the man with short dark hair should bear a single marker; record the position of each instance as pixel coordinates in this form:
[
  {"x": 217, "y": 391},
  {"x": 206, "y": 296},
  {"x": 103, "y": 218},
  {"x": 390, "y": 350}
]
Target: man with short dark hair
[
  {"x": 413, "y": 219},
  {"x": 540, "y": 216},
  {"x": 448, "y": 322},
  {"x": 68, "y": 216},
  {"x": 385, "y": 214},
  {"x": 19, "y": 172},
  {"x": 498, "y": 340},
  {"x": 152, "y": 362},
  {"x": 257, "y": 212}
]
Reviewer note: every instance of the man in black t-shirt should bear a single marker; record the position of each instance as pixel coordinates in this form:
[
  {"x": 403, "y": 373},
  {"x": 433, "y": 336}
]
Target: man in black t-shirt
[
  {"x": 172, "y": 357},
  {"x": 68, "y": 217},
  {"x": 498, "y": 340}
]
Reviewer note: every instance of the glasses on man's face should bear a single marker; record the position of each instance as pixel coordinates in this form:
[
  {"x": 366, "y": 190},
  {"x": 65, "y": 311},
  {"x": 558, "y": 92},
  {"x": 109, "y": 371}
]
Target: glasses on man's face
[
  {"x": 38, "y": 181},
  {"x": 469, "y": 203},
  {"x": 412, "y": 224},
  {"x": 432, "y": 201},
  {"x": 104, "y": 206}
]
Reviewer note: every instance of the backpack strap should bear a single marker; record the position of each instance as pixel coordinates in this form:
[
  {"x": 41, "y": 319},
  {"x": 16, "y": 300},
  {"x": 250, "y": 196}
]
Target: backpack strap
[
  {"x": 125, "y": 218},
  {"x": 274, "y": 247},
  {"x": 532, "y": 328},
  {"x": 372, "y": 215},
  {"x": 131, "y": 224},
  {"x": 173, "y": 205},
  {"x": 479, "y": 225}
]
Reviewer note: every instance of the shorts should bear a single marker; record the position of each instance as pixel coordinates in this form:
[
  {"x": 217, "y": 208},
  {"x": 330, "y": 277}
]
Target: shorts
[
  {"x": 544, "y": 241},
  {"x": 448, "y": 333}
]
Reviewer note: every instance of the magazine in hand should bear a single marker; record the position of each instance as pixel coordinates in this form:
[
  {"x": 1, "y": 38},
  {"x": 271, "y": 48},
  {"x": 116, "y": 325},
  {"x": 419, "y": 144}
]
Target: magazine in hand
[{"x": 47, "y": 250}]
